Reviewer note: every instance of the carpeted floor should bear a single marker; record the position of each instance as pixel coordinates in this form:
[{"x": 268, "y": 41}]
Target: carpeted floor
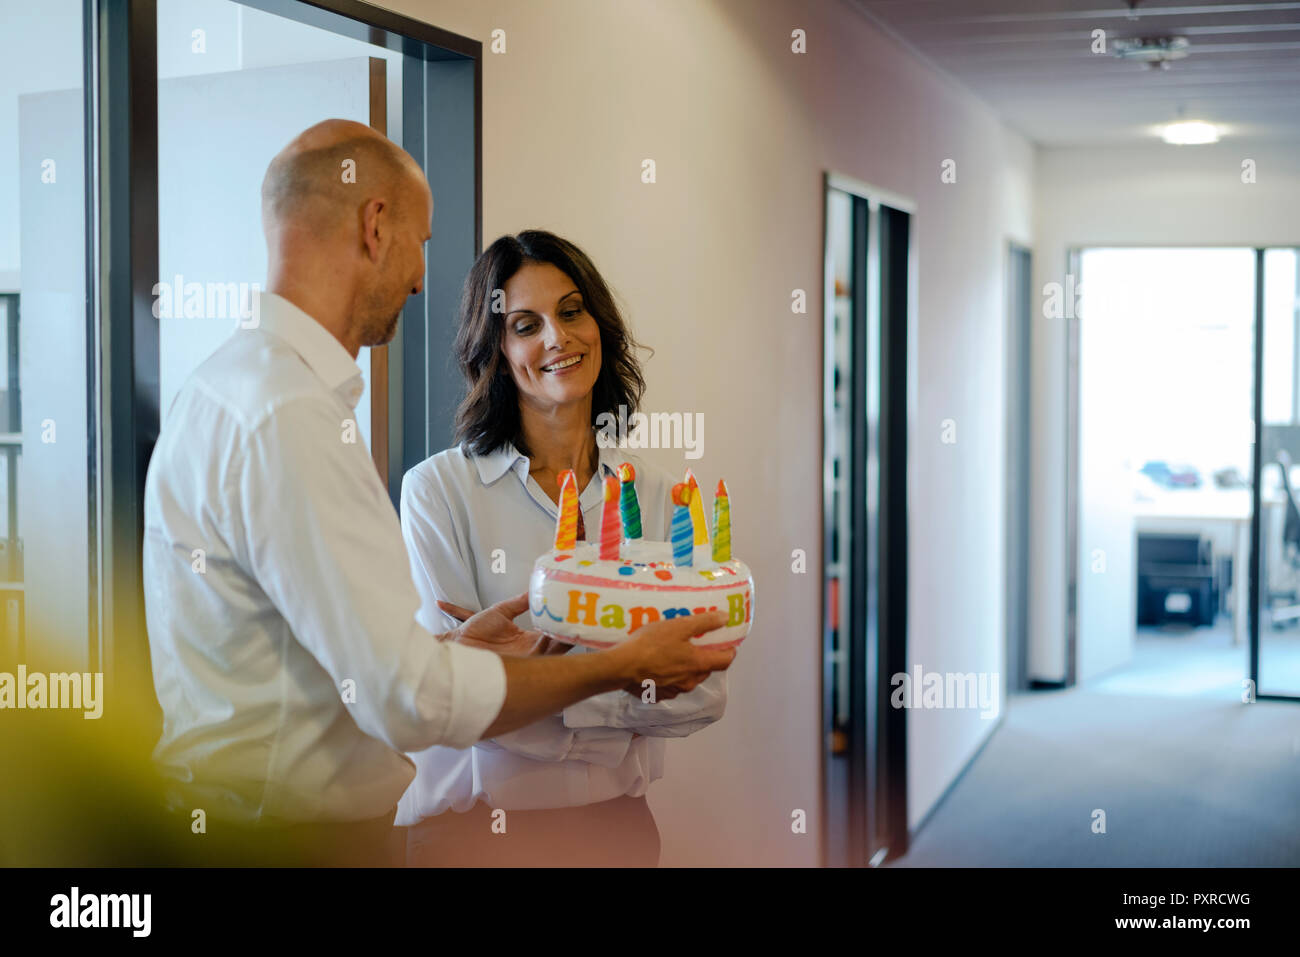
[{"x": 1186, "y": 774}]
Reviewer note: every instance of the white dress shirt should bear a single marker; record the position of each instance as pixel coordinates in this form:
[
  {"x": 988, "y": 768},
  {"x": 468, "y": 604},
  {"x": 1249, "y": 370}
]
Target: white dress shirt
[
  {"x": 282, "y": 618},
  {"x": 474, "y": 526}
]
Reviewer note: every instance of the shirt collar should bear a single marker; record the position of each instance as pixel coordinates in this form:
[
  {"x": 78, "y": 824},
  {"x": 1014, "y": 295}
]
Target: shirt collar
[
  {"x": 508, "y": 458},
  {"x": 496, "y": 464},
  {"x": 317, "y": 346}
]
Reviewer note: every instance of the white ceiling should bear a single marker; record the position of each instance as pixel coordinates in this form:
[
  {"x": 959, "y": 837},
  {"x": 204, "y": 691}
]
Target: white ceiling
[{"x": 1032, "y": 61}]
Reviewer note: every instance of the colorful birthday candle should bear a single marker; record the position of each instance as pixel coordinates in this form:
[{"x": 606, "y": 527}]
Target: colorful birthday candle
[
  {"x": 721, "y": 524},
  {"x": 629, "y": 506},
  {"x": 697, "y": 510},
  {"x": 566, "y": 525},
  {"x": 681, "y": 527},
  {"x": 611, "y": 526}
]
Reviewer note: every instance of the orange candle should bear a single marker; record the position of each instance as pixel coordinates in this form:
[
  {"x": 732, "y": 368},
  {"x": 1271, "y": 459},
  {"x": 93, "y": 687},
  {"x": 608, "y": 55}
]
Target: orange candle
[{"x": 566, "y": 525}]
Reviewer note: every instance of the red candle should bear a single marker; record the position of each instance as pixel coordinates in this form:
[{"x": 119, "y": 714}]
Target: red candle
[{"x": 611, "y": 525}]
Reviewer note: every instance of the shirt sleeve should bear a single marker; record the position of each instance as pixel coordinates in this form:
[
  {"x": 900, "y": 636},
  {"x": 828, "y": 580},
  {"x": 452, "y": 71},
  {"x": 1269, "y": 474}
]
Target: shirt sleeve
[
  {"x": 442, "y": 566},
  {"x": 322, "y": 540}
]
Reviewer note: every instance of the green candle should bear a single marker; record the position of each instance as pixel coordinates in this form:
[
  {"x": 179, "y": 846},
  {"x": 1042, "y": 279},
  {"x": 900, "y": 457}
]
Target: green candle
[
  {"x": 629, "y": 506},
  {"x": 721, "y": 524}
]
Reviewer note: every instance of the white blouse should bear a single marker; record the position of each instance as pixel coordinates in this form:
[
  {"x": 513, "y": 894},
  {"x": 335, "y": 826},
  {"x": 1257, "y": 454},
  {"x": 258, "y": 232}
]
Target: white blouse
[{"x": 474, "y": 525}]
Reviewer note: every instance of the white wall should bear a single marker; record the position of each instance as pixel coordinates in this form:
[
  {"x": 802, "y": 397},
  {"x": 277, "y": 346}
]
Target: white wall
[
  {"x": 1107, "y": 594},
  {"x": 742, "y": 130}
]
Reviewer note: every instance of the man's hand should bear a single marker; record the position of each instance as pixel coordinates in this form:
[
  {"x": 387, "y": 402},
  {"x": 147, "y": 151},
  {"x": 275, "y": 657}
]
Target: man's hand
[
  {"x": 495, "y": 629},
  {"x": 662, "y": 651}
]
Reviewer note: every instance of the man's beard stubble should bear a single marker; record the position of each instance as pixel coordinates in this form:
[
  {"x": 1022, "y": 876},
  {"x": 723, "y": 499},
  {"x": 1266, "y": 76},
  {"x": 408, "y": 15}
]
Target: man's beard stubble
[
  {"x": 381, "y": 325},
  {"x": 386, "y": 333}
]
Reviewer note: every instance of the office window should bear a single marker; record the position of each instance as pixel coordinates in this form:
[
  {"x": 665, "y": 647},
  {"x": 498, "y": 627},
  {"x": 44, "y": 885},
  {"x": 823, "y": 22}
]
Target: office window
[
  {"x": 46, "y": 605},
  {"x": 235, "y": 85}
]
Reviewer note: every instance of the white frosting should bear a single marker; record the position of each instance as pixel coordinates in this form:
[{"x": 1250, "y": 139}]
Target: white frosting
[{"x": 577, "y": 596}]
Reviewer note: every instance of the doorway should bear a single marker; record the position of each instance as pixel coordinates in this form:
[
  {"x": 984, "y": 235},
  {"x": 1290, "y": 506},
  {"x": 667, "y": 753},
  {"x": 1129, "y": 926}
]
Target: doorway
[
  {"x": 867, "y": 369},
  {"x": 1187, "y": 566}
]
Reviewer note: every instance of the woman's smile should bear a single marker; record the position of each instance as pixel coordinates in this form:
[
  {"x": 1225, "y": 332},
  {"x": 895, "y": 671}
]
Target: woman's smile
[{"x": 564, "y": 365}]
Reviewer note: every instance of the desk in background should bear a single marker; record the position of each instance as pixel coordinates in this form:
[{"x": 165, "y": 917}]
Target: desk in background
[{"x": 1223, "y": 514}]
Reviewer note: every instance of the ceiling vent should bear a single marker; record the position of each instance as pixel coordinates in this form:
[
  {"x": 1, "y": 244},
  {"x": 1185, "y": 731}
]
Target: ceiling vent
[{"x": 1155, "y": 52}]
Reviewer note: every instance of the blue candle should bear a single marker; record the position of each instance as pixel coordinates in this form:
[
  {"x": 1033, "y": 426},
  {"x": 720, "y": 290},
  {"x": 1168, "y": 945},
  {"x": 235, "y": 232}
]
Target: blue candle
[{"x": 683, "y": 529}]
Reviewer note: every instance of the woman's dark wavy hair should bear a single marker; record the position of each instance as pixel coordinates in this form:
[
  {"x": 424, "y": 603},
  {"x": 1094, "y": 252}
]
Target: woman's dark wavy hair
[{"x": 488, "y": 416}]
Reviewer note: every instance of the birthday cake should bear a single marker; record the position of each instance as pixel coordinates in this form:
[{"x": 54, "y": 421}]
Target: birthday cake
[{"x": 598, "y": 593}]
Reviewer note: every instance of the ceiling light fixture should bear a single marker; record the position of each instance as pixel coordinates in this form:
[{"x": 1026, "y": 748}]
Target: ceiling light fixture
[{"x": 1190, "y": 133}]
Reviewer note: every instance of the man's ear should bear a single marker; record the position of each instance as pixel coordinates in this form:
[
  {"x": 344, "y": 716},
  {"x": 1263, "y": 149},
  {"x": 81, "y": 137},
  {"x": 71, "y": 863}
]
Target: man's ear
[{"x": 374, "y": 227}]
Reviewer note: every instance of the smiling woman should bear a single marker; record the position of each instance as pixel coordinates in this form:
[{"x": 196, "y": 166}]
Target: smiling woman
[
  {"x": 548, "y": 361},
  {"x": 529, "y": 278}
]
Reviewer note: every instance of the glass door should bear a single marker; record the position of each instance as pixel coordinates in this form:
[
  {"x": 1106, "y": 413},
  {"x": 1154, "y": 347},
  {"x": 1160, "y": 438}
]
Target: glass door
[{"x": 1275, "y": 644}]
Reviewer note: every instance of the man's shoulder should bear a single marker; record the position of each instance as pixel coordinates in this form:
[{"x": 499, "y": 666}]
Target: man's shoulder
[{"x": 250, "y": 376}]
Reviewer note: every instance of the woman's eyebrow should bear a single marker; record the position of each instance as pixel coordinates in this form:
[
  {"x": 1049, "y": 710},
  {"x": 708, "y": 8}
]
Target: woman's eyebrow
[{"x": 571, "y": 292}]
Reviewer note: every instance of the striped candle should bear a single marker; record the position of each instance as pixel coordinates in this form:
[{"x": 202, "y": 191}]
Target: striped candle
[
  {"x": 611, "y": 526},
  {"x": 698, "y": 523},
  {"x": 721, "y": 524},
  {"x": 566, "y": 525},
  {"x": 629, "y": 506},
  {"x": 681, "y": 527}
]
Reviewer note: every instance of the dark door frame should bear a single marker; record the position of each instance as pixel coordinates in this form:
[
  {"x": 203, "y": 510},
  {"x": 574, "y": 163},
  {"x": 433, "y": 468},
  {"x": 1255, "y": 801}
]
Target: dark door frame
[
  {"x": 881, "y": 343},
  {"x": 1019, "y": 298},
  {"x": 1257, "y": 453}
]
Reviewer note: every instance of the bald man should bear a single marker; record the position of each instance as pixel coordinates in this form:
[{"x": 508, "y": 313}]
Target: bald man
[{"x": 286, "y": 654}]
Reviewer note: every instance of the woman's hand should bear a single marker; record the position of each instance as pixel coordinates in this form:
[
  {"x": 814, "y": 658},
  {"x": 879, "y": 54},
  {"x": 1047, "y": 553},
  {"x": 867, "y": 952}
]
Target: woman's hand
[
  {"x": 494, "y": 629},
  {"x": 666, "y": 692}
]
